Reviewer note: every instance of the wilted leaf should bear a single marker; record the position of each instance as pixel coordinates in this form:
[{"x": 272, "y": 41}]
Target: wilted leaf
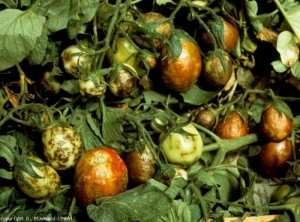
[
  {"x": 245, "y": 77},
  {"x": 288, "y": 48},
  {"x": 251, "y": 10},
  {"x": 19, "y": 32},
  {"x": 139, "y": 204},
  {"x": 268, "y": 35}
]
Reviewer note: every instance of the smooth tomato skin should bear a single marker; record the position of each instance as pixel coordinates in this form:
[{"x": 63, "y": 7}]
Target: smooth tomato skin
[
  {"x": 232, "y": 127},
  {"x": 275, "y": 126},
  {"x": 182, "y": 73},
  {"x": 99, "y": 172},
  {"x": 273, "y": 157}
]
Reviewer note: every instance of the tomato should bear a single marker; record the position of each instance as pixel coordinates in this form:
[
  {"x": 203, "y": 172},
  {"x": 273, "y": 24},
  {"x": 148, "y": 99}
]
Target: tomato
[
  {"x": 227, "y": 36},
  {"x": 232, "y": 126},
  {"x": 153, "y": 21},
  {"x": 92, "y": 87},
  {"x": 140, "y": 165},
  {"x": 183, "y": 72},
  {"x": 127, "y": 54},
  {"x": 182, "y": 149},
  {"x": 50, "y": 83},
  {"x": 205, "y": 118},
  {"x": 274, "y": 125},
  {"x": 215, "y": 72},
  {"x": 124, "y": 83},
  {"x": 274, "y": 156},
  {"x": 35, "y": 178},
  {"x": 75, "y": 60},
  {"x": 99, "y": 172},
  {"x": 62, "y": 146}
]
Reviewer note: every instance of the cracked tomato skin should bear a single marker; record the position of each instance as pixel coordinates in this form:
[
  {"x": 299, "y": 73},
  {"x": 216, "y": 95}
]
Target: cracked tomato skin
[
  {"x": 99, "y": 172},
  {"x": 62, "y": 146},
  {"x": 183, "y": 72}
]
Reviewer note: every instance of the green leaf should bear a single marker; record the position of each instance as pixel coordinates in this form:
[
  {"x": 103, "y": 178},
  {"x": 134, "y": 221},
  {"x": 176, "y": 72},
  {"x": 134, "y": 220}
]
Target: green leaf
[
  {"x": 19, "y": 32},
  {"x": 142, "y": 203},
  {"x": 79, "y": 121},
  {"x": 179, "y": 212},
  {"x": 6, "y": 151},
  {"x": 257, "y": 108},
  {"x": 164, "y": 2},
  {"x": 279, "y": 67},
  {"x": 74, "y": 27},
  {"x": 228, "y": 184},
  {"x": 37, "y": 55},
  {"x": 6, "y": 195},
  {"x": 293, "y": 18},
  {"x": 9, "y": 3},
  {"x": 152, "y": 96},
  {"x": 282, "y": 107},
  {"x": 61, "y": 11},
  {"x": 6, "y": 174},
  {"x": 288, "y": 48},
  {"x": 112, "y": 127},
  {"x": 70, "y": 86},
  {"x": 198, "y": 95},
  {"x": 251, "y": 10},
  {"x": 296, "y": 69}
]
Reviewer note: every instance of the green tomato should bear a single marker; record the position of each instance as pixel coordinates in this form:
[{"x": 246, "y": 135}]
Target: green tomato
[
  {"x": 182, "y": 149},
  {"x": 75, "y": 58},
  {"x": 126, "y": 53},
  {"x": 88, "y": 88},
  {"x": 35, "y": 178},
  {"x": 62, "y": 146}
]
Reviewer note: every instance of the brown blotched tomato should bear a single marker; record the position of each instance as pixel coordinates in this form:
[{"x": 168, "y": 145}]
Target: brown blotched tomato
[
  {"x": 36, "y": 178},
  {"x": 141, "y": 165},
  {"x": 273, "y": 157},
  {"x": 233, "y": 126},
  {"x": 182, "y": 72},
  {"x": 274, "y": 125},
  {"x": 217, "y": 72},
  {"x": 205, "y": 118},
  {"x": 99, "y": 172},
  {"x": 157, "y": 26},
  {"x": 227, "y": 36}
]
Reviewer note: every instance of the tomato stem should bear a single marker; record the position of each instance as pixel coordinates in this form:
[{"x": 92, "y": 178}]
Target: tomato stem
[{"x": 228, "y": 145}]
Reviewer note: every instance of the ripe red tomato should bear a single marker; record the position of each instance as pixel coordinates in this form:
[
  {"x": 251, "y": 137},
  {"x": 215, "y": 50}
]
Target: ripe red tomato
[
  {"x": 233, "y": 126},
  {"x": 99, "y": 172},
  {"x": 183, "y": 72},
  {"x": 273, "y": 157}
]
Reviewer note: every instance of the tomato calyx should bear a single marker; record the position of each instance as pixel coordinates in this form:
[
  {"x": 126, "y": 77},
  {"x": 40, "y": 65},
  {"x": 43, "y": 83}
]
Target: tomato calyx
[{"x": 25, "y": 165}]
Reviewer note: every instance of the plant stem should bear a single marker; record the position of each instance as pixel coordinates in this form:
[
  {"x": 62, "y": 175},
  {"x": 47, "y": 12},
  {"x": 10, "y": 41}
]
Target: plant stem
[
  {"x": 228, "y": 145},
  {"x": 201, "y": 200},
  {"x": 281, "y": 9}
]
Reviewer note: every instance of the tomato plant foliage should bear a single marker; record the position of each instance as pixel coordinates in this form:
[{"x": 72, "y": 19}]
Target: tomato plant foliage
[{"x": 37, "y": 90}]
